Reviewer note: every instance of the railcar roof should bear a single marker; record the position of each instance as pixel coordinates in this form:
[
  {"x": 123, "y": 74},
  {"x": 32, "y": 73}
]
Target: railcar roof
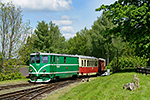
[
  {"x": 79, "y": 56},
  {"x": 54, "y": 54}
]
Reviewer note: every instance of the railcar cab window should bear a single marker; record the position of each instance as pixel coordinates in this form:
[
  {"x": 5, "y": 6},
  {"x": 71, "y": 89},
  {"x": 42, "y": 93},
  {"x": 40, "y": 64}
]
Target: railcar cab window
[
  {"x": 37, "y": 59},
  {"x": 32, "y": 59},
  {"x": 44, "y": 59}
]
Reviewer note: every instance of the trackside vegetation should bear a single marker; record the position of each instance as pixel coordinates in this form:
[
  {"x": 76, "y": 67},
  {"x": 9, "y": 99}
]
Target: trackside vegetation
[
  {"x": 125, "y": 62},
  {"x": 11, "y": 76},
  {"x": 107, "y": 88}
]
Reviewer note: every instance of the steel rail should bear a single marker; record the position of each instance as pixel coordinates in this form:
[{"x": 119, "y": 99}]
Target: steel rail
[
  {"x": 34, "y": 92},
  {"x": 12, "y": 94},
  {"x": 51, "y": 88}
]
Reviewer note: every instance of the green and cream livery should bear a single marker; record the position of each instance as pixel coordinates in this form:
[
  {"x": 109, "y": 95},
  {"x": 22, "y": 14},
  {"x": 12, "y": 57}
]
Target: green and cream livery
[{"x": 44, "y": 67}]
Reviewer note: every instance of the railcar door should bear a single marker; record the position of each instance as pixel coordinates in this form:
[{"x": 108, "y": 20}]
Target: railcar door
[{"x": 53, "y": 64}]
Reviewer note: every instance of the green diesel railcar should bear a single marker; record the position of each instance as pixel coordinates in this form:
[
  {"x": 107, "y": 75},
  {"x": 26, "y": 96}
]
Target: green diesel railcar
[{"x": 44, "y": 67}]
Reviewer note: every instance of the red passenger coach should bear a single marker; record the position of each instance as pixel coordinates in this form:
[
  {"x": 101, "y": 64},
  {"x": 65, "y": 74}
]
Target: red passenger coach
[
  {"x": 91, "y": 65},
  {"x": 87, "y": 65}
]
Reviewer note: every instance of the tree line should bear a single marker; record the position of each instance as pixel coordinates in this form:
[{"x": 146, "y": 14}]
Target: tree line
[
  {"x": 89, "y": 42},
  {"x": 120, "y": 34}
]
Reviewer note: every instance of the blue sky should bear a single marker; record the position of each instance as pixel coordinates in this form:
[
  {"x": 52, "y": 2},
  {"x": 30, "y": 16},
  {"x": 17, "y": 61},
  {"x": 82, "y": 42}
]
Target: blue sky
[{"x": 70, "y": 15}]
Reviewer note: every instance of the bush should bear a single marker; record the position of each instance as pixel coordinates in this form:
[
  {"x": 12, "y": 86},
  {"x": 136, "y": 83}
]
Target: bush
[
  {"x": 125, "y": 62},
  {"x": 11, "y": 76},
  {"x": 2, "y": 76}
]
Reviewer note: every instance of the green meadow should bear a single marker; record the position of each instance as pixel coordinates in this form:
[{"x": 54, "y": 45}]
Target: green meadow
[{"x": 106, "y": 88}]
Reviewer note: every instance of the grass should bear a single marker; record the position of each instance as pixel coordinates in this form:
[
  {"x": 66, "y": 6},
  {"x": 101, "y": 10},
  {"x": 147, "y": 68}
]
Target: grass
[
  {"x": 12, "y": 82},
  {"x": 106, "y": 88}
]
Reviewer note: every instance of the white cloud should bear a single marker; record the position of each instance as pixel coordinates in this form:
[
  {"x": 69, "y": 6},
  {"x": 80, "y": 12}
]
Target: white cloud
[
  {"x": 65, "y": 17},
  {"x": 68, "y": 29},
  {"x": 68, "y": 35},
  {"x": 62, "y": 22},
  {"x": 65, "y": 21},
  {"x": 44, "y": 5}
]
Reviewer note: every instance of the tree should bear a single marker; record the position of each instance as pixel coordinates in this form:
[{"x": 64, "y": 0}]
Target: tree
[
  {"x": 43, "y": 37},
  {"x": 133, "y": 23},
  {"x": 1, "y": 60},
  {"x": 26, "y": 49},
  {"x": 101, "y": 44},
  {"x": 79, "y": 44},
  {"x": 12, "y": 31},
  {"x": 93, "y": 43},
  {"x": 49, "y": 38}
]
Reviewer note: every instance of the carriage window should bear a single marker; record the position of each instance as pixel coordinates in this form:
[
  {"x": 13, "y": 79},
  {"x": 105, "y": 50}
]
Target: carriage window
[
  {"x": 57, "y": 60},
  {"x": 84, "y": 62},
  {"x": 32, "y": 59},
  {"x": 64, "y": 60},
  {"x": 91, "y": 63},
  {"x": 88, "y": 63},
  {"x": 51, "y": 59},
  {"x": 38, "y": 59},
  {"x": 44, "y": 59},
  {"x": 95, "y": 62}
]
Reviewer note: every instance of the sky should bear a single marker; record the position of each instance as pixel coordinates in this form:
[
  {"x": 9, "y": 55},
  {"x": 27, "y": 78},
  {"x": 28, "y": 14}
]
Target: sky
[{"x": 70, "y": 15}]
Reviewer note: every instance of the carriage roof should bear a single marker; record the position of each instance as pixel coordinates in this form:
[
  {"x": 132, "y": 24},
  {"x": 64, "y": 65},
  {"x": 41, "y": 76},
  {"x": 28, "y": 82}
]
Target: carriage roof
[{"x": 101, "y": 59}]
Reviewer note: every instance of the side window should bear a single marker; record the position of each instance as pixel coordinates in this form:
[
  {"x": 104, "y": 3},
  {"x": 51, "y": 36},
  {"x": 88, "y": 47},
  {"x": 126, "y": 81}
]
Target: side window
[
  {"x": 88, "y": 63},
  {"x": 32, "y": 59},
  {"x": 95, "y": 62},
  {"x": 54, "y": 58},
  {"x": 57, "y": 60},
  {"x": 82, "y": 63},
  {"x": 51, "y": 59},
  {"x": 44, "y": 59},
  {"x": 64, "y": 60},
  {"x": 37, "y": 59}
]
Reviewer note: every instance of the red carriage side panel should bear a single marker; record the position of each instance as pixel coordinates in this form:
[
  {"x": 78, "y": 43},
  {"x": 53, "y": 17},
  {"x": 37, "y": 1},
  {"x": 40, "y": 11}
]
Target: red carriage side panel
[{"x": 86, "y": 70}]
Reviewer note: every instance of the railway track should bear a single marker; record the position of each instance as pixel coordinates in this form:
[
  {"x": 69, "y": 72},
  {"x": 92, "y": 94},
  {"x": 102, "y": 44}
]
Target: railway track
[{"x": 32, "y": 93}]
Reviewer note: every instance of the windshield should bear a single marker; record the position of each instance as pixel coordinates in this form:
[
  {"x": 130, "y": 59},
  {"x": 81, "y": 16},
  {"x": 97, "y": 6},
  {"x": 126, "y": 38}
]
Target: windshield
[
  {"x": 38, "y": 59},
  {"x": 32, "y": 59},
  {"x": 44, "y": 59}
]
